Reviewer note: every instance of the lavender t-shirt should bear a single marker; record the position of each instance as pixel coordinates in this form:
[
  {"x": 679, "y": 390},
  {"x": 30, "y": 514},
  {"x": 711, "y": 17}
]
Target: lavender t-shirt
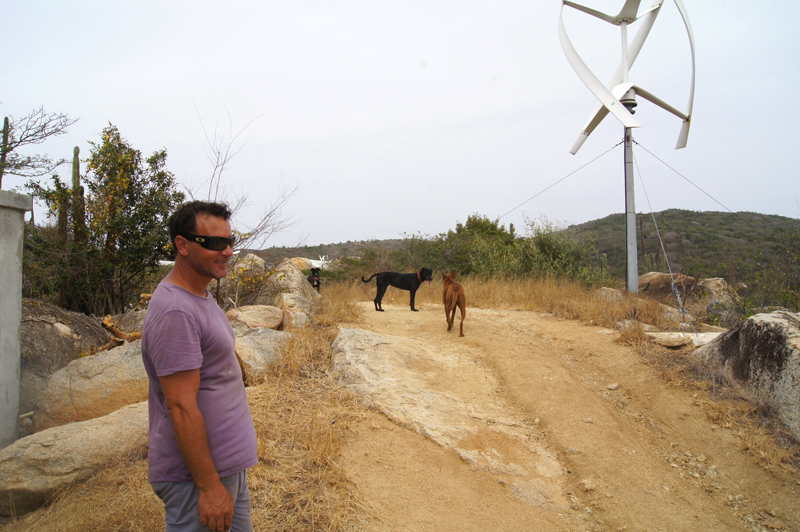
[{"x": 182, "y": 332}]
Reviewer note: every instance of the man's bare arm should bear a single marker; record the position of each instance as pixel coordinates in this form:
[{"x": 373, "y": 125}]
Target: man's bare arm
[{"x": 180, "y": 393}]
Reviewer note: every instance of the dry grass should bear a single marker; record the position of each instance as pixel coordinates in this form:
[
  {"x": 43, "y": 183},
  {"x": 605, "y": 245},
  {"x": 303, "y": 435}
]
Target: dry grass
[
  {"x": 117, "y": 499},
  {"x": 301, "y": 420},
  {"x": 761, "y": 433},
  {"x": 562, "y": 298}
]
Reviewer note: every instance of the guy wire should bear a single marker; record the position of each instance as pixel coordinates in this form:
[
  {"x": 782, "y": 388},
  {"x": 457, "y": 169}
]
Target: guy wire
[{"x": 559, "y": 181}]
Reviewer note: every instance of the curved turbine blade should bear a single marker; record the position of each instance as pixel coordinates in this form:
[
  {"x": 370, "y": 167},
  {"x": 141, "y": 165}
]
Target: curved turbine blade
[
  {"x": 590, "y": 80},
  {"x": 600, "y": 111},
  {"x": 597, "y": 116},
  {"x": 683, "y": 136},
  {"x": 627, "y": 13}
]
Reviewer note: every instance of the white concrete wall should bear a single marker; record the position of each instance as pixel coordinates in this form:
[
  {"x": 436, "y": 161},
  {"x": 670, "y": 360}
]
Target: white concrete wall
[{"x": 12, "y": 211}]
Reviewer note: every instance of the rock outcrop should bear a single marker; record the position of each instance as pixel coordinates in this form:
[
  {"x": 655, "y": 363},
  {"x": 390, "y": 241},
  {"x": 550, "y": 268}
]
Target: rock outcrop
[
  {"x": 760, "y": 357},
  {"x": 409, "y": 382},
  {"x": 51, "y": 337},
  {"x": 302, "y": 263},
  {"x": 257, "y": 349},
  {"x": 248, "y": 317},
  {"x": 35, "y": 468},
  {"x": 294, "y": 291},
  {"x": 92, "y": 387},
  {"x": 130, "y": 321}
]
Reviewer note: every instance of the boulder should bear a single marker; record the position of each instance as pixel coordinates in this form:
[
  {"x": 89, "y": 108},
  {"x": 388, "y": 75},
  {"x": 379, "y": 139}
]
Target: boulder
[
  {"x": 670, "y": 339},
  {"x": 35, "y": 468},
  {"x": 658, "y": 285},
  {"x": 130, "y": 321},
  {"x": 680, "y": 339},
  {"x": 93, "y": 386},
  {"x": 249, "y": 317},
  {"x": 294, "y": 318},
  {"x": 760, "y": 357},
  {"x": 295, "y": 303},
  {"x": 50, "y": 338},
  {"x": 717, "y": 288},
  {"x": 302, "y": 264},
  {"x": 257, "y": 349},
  {"x": 610, "y": 294},
  {"x": 625, "y": 325},
  {"x": 251, "y": 262},
  {"x": 409, "y": 381},
  {"x": 294, "y": 290}
]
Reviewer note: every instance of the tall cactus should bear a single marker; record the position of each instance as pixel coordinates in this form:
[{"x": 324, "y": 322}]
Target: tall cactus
[
  {"x": 78, "y": 206},
  {"x": 4, "y": 149}
]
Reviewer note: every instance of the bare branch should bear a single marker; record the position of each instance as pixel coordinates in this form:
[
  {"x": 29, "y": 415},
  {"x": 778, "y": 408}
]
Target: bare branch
[
  {"x": 37, "y": 127},
  {"x": 221, "y": 148},
  {"x": 32, "y": 129}
]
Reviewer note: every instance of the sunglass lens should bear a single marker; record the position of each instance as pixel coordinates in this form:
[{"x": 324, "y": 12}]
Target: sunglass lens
[{"x": 218, "y": 243}]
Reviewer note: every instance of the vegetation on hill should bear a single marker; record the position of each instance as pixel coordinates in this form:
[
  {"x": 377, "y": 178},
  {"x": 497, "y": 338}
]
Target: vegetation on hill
[
  {"x": 479, "y": 246},
  {"x": 760, "y": 251},
  {"x": 707, "y": 244}
]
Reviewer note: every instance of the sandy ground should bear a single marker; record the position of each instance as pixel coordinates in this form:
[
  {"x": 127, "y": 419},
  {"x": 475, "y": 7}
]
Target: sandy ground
[{"x": 638, "y": 454}]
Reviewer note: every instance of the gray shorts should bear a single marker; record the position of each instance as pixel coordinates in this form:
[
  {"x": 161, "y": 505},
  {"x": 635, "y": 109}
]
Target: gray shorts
[{"x": 180, "y": 502}]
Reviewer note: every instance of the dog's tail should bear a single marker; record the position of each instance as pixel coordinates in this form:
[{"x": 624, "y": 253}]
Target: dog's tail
[{"x": 368, "y": 280}]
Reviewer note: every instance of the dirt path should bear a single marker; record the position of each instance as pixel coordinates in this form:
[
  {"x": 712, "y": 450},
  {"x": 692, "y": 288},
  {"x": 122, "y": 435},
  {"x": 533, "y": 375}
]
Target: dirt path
[{"x": 636, "y": 453}]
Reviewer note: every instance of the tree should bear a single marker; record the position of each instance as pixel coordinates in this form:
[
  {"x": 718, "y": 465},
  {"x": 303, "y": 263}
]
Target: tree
[
  {"x": 127, "y": 204},
  {"x": 34, "y": 128},
  {"x": 221, "y": 148}
]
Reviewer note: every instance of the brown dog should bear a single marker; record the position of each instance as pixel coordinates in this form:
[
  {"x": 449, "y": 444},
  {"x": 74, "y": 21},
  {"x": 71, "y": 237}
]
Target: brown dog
[{"x": 453, "y": 296}]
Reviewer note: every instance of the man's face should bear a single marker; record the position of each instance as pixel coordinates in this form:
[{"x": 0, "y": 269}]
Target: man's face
[{"x": 206, "y": 262}]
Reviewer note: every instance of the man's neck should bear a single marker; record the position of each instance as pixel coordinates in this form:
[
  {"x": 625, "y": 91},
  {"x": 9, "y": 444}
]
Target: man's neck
[{"x": 193, "y": 283}]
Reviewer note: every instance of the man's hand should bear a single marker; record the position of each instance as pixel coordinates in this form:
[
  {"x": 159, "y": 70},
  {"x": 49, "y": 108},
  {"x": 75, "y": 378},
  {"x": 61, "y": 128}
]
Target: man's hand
[{"x": 216, "y": 508}]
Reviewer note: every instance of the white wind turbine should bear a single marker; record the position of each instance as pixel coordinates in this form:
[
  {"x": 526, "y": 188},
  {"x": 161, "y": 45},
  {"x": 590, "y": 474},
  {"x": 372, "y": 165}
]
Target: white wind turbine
[{"x": 619, "y": 99}]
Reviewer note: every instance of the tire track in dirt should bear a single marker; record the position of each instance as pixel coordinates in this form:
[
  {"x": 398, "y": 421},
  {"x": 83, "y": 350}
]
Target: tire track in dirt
[{"x": 637, "y": 454}]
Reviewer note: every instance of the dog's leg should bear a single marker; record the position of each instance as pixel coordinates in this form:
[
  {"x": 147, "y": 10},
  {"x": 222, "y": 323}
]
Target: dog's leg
[
  {"x": 413, "y": 293},
  {"x": 379, "y": 297},
  {"x": 450, "y": 310},
  {"x": 462, "y": 306}
]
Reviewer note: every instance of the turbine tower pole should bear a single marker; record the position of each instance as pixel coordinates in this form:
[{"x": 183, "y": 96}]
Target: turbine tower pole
[
  {"x": 631, "y": 255},
  {"x": 629, "y": 101}
]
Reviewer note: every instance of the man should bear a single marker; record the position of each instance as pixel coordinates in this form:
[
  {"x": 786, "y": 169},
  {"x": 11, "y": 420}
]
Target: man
[{"x": 202, "y": 438}]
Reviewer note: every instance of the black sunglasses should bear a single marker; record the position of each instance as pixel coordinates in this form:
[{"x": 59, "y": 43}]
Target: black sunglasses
[{"x": 214, "y": 243}]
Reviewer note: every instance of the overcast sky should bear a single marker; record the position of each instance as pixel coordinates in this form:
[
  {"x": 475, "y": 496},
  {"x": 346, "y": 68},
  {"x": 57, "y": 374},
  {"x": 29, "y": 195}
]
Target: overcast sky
[{"x": 409, "y": 116}]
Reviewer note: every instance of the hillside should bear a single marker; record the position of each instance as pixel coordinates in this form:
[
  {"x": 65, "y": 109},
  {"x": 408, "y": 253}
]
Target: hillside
[
  {"x": 709, "y": 244},
  {"x": 332, "y": 251}
]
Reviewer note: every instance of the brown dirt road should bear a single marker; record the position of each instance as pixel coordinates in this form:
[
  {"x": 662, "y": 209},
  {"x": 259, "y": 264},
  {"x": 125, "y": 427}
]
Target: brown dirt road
[{"x": 638, "y": 454}]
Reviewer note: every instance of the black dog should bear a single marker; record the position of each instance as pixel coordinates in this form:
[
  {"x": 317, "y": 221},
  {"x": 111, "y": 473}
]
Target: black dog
[
  {"x": 313, "y": 278},
  {"x": 403, "y": 281}
]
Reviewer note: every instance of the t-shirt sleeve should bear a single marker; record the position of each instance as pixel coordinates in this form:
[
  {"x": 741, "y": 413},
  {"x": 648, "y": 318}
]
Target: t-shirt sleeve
[{"x": 175, "y": 344}]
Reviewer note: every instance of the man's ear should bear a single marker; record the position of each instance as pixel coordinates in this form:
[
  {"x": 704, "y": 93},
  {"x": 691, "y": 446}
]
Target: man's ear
[{"x": 181, "y": 246}]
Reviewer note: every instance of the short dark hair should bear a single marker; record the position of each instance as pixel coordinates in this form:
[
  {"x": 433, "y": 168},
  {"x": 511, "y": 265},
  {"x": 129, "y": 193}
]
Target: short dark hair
[{"x": 184, "y": 219}]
